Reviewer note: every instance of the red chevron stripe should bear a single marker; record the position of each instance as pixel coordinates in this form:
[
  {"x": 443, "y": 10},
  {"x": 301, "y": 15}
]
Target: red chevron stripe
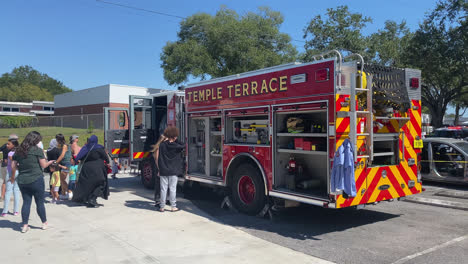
[
  {"x": 340, "y": 99},
  {"x": 371, "y": 187},
  {"x": 406, "y": 178},
  {"x": 395, "y": 183},
  {"x": 344, "y": 124},
  {"x": 361, "y": 179},
  {"x": 384, "y": 195}
]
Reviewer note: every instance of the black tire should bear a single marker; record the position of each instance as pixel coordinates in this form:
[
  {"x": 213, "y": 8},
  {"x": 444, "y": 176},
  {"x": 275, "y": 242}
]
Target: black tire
[
  {"x": 148, "y": 173},
  {"x": 245, "y": 177}
]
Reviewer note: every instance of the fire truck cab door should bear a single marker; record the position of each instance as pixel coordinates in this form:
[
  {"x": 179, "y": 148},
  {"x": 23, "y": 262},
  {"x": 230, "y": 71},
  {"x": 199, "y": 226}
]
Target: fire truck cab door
[
  {"x": 116, "y": 131},
  {"x": 141, "y": 126}
]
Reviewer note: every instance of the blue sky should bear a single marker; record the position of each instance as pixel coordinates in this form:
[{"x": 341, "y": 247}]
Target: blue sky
[{"x": 85, "y": 43}]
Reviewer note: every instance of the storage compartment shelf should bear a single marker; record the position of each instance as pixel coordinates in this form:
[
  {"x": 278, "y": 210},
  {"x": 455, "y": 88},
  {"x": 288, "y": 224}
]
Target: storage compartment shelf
[
  {"x": 301, "y": 134},
  {"x": 381, "y": 154},
  {"x": 297, "y": 151},
  {"x": 216, "y": 133}
]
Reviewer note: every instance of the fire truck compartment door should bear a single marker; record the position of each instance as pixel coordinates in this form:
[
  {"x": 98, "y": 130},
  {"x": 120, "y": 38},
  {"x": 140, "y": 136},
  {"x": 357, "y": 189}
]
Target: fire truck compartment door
[
  {"x": 116, "y": 131},
  {"x": 141, "y": 118}
]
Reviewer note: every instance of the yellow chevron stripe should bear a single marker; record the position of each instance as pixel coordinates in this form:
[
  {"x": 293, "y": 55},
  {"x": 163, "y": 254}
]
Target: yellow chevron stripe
[
  {"x": 115, "y": 151},
  {"x": 400, "y": 180}
]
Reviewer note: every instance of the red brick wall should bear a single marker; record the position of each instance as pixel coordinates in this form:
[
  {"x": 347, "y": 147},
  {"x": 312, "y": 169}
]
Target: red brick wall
[
  {"x": 87, "y": 109},
  {"x": 37, "y": 107}
]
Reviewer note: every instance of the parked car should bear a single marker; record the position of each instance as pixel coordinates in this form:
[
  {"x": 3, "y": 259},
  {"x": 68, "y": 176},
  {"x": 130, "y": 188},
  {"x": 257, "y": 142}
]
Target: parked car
[
  {"x": 451, "y": 132},
  {"x": 445, "y": 160}
]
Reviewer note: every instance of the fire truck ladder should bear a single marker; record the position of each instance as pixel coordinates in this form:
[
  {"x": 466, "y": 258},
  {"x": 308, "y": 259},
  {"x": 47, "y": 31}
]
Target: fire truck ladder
[{"x": 365, "y": 113}]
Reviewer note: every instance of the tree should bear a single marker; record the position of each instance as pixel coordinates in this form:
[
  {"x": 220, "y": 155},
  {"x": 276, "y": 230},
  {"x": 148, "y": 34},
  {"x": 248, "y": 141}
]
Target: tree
[
  {"x": 387, "y": 46},
  {"x": 341, "y": 30},
  {"x": 439, "y": 49},
  {"x": 226, "y": 44},
  {"x": 26, "y": 84}
]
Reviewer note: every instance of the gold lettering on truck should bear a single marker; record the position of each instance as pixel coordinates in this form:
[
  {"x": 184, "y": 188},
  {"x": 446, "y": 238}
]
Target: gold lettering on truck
[
  {"x": 237, "y": 91},
  {"x": 272, "y": 85},
  {"x": 264, "y": 87},
  {"x": 273, "y": 89},
  {"x": 253, "y": 87},
  {"x": 245, "y": 89},
  {"x": 218, "y": 91},
  {"x": 283, "y": 81}
]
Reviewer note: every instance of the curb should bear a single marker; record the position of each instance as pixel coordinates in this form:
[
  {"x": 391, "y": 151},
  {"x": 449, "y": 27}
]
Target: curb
[
  {"x": 453, "y": 194},
  {"x": 436, "y": 202}
]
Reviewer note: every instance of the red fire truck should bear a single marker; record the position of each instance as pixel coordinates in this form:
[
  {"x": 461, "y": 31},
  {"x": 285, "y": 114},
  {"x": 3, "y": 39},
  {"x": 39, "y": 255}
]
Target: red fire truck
[{"x": 272, "y": 134}]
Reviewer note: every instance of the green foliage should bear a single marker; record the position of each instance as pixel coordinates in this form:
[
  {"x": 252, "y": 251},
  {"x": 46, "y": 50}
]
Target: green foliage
[
  {"x": 387, "y": 46},
  {"x": 340, "y": 30},
  {"x": 439, "y": 48},
  {"x": 49, "y": 133},
  {"x": 16, "y": 121},
  {"x": 226, "y": 44},
  {"x": 25, "y": 84}
]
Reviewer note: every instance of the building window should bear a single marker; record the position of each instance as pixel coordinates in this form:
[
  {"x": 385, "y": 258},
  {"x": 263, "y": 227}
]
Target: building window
[{"x": 11, "y": 109}]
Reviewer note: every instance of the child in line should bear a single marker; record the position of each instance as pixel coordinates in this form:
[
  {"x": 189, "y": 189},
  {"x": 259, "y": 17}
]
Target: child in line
[
  {"x": 11, "y": 187},
  {"x": 55, "y": 182},
  {"x": 115, "y": 168},
  {"x": 72, "y": 178}
]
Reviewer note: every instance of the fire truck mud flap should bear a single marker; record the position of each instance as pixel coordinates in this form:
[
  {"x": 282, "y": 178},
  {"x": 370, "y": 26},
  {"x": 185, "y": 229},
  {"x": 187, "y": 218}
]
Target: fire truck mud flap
[{"x": 148, "y": 172}]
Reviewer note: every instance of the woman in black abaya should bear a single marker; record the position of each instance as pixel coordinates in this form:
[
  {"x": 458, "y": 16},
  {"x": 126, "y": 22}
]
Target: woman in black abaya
[{"x": 92, "y": 180}]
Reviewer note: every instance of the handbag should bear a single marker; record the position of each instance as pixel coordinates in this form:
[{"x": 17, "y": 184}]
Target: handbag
[{"x": 80, "y": 165}]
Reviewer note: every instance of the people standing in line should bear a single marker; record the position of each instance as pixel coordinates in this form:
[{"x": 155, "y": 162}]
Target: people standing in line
[
  {"x": 55, "y": 182},
  {"x": 169, "y": 163},
  {"x": 92, "y": 180},
  {"x": 3, "y": 168},
  {"x": 64, "y": 160},
  {"x": 75, "y": 148},
  {"x": 29, "y": 160},
  {"x": 11, "y": 186}
]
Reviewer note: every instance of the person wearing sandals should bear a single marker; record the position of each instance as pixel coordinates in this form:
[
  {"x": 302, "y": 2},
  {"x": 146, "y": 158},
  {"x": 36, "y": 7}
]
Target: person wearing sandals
[
  {"x": 168, "y": 154},
  {"x": 29, "y": 160}
]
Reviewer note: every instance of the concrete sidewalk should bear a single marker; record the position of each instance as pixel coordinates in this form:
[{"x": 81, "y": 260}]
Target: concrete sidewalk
[{"x": 128, "y": 230}]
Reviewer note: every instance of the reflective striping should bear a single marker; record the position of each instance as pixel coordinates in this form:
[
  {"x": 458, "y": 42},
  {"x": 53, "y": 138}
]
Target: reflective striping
[
  {"x": 139, "y": 155},
  {"x": 119, "y": 151},
  {"x": 368, "y": 180}
]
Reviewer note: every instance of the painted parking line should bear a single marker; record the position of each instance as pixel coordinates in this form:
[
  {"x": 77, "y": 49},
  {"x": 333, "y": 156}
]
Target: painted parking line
[{"x": 432, "y": 249}]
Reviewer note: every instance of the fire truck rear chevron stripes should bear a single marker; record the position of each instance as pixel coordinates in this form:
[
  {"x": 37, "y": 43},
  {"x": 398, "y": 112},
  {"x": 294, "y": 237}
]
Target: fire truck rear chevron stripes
[
  {"x": 140, "y": 155},
  {"x": 120, "y": 151},
  {"x": 374, "y": 184}
]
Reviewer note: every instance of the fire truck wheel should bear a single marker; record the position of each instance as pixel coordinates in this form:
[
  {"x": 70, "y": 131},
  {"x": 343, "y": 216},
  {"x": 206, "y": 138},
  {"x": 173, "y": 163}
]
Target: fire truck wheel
[
  {"x": 247, "y": 190},
  {"x": 147, "y": 169}
]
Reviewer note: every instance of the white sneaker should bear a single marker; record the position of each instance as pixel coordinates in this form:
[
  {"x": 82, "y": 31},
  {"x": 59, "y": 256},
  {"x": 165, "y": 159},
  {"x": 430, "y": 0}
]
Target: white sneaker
[
  {"x": 70, "y": 195},
  {"x": 24, "y": 229}
]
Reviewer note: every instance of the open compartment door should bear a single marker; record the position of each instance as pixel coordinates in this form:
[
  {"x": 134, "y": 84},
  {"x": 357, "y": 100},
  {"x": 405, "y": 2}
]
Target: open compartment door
[
  {"x": 142, "y": 125},
  {"x": 116, "y": 131}
]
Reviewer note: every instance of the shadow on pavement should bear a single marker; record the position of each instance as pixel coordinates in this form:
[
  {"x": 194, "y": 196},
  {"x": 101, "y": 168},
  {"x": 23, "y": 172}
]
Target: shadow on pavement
[{"x": 303, "y": 223}]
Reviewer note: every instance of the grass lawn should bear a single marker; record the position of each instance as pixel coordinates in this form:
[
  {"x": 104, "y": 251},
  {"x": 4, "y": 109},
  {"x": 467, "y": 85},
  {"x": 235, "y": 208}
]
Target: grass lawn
[{"x": 49, "y": 133}]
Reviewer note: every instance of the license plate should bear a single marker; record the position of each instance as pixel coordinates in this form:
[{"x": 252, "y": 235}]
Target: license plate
[{"x": 418, "y": 143}]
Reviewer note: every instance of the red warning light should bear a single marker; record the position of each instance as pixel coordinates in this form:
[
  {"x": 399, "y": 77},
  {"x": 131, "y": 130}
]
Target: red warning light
[{"x": 414, "y": 82}]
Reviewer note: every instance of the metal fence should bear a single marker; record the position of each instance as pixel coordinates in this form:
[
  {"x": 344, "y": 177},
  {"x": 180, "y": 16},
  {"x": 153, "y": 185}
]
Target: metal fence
[{"x": 95, "y": 121}]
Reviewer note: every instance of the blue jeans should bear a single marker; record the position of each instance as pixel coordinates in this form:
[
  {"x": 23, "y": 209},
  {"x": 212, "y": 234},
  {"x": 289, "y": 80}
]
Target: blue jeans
[
  {"x": 28, "y": 191},
  {"x": 171, "y": 182},
  {"x": 11, "y": 188}
]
